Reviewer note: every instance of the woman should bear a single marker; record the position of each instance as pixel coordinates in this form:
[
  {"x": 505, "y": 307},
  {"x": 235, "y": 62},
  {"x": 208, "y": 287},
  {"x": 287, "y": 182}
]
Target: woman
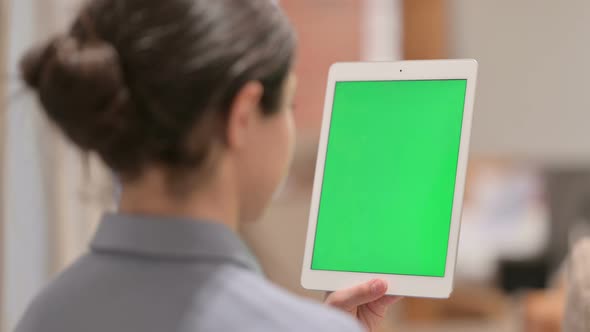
[
  {"x": 189, "y": 102},
  {"x": 577, "y": 309}
]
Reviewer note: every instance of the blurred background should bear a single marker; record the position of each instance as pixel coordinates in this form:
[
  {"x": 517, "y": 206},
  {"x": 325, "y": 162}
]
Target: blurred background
[{"x": 528, "y": 191}]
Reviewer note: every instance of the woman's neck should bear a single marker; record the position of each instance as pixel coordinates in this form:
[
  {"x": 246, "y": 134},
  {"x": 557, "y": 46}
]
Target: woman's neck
[{"x": 215, "y": 201}]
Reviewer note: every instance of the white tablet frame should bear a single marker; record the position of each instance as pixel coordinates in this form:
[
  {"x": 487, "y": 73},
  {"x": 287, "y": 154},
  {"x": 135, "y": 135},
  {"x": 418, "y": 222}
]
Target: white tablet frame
[{"x": 414, "y": 286}]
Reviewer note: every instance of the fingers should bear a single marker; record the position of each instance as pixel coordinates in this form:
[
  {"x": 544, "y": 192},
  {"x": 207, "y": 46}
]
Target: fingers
[
  {"x": 380, "y": 306},
  {"x": 351, "y": 298}
]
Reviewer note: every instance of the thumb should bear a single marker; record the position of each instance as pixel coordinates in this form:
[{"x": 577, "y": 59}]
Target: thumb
[{"x": 351, "y": 298}]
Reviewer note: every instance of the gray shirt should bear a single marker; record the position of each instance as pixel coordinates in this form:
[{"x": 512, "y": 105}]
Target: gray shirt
[{"x": 148, "y": 274}]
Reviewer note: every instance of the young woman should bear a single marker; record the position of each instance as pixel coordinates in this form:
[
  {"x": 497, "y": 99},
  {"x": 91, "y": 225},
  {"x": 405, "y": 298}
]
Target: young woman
[
  {"x": 189, "y": 102},
  {"x": 577, "y": 309}
]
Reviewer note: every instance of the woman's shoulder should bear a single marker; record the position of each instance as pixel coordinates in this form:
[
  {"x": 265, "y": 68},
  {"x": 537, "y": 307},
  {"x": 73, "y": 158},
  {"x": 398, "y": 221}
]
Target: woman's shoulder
[
  {"x": 176, "y": 296},
  {"x": 254, "y": 303}
]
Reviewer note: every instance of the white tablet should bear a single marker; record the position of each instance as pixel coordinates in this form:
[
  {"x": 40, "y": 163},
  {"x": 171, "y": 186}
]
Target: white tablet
[{"x": 390, "y": 173}]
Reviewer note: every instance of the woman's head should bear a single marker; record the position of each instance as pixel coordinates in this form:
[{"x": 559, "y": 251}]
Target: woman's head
[{"x": 172, "y": 85}]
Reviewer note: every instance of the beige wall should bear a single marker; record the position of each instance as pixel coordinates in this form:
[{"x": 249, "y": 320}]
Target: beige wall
[
  {"x": 533, "y": 98},
  {"x": 3, "y": 43}
]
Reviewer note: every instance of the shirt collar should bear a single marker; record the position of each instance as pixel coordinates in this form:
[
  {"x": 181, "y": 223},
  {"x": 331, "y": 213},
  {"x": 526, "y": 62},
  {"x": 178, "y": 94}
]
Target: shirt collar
[{"x": 173, "y": 238}]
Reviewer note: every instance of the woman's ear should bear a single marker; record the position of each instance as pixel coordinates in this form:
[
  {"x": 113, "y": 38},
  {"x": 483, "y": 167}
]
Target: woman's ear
[{"x": 243, "y": 114}]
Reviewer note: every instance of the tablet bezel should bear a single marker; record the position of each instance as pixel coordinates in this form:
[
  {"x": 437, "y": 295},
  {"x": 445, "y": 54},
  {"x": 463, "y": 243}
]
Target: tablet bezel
[{"x": 415, "y": 286}]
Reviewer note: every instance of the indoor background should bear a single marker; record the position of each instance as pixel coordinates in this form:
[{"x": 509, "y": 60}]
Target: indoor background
[{"x": 528, "y": 192}]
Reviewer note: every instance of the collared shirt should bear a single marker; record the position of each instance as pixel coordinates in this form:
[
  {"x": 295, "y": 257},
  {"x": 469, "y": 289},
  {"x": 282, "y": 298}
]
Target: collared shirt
[{"x": 149, "y": 274}]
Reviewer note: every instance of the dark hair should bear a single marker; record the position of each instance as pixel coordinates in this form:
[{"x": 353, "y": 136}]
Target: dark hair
[{"x": 150, "y": 82}]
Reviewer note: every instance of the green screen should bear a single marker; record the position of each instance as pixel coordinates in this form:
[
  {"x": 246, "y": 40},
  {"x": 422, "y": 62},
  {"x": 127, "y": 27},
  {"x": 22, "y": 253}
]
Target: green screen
[{"x": 389, "y": 177}]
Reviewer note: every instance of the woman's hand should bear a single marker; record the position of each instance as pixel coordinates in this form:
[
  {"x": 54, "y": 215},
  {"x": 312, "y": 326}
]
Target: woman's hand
[{"x": 367, "y": 302}]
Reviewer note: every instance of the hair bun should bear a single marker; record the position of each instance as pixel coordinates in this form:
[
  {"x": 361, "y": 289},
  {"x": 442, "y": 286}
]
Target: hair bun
[
  {"x": 31, "y": 66},
  {"x": 95, "y": 60},
  {"x": 82, "y": 89}
]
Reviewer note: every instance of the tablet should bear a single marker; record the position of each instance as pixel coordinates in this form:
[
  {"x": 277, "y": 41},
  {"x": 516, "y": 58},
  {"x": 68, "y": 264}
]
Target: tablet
[{"x": 390, "y": 174}]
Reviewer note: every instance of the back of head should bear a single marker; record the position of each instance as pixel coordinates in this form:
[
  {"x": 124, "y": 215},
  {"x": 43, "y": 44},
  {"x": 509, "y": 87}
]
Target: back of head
[{"x": 149, "y": 82}]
